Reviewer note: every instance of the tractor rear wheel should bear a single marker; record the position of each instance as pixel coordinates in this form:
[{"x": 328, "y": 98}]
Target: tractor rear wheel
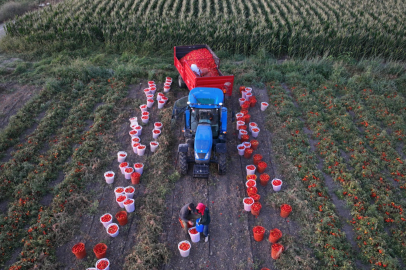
[
  {"x": 222, "y": 166},
  {"x": 181, "y": 83},
  {"x": 183, "y": 162}
]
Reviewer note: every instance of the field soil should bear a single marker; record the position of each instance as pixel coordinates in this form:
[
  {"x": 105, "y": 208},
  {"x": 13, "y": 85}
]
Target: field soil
[
  {"x": 12, "y": 97},
  {"x": 231, "y": 244}
]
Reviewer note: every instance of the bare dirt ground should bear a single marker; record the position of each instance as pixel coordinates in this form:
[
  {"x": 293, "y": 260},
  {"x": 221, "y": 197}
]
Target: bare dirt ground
[
  {"x": 231, "y": 244},
  {"x": 12, "y": 97}
]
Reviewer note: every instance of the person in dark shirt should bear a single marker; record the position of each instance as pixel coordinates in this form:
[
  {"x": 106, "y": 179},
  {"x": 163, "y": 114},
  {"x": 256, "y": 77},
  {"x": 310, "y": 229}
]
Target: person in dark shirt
[
  {"x": 188, "y": 215},
  {"x": 204, "y": 219}
]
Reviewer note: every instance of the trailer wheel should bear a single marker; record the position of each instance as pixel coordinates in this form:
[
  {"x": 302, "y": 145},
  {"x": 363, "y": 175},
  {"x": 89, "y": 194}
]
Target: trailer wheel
[
  {"x": 183, "y": 162},
  {"x": 181, "y": 83},
  {"x": 222, "y": 165}
]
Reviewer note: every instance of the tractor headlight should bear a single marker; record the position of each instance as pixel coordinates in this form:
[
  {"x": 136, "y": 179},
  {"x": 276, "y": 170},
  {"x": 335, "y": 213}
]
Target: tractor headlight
[
  {"x": 196, "y": 155},
  {"x": 207, "y": 156}
]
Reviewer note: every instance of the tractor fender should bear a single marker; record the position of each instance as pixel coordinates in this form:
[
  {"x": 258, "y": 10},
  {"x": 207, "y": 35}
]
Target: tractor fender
[
  {"x": 184, "y": 147},
  {"x": 221, "y": 148}
]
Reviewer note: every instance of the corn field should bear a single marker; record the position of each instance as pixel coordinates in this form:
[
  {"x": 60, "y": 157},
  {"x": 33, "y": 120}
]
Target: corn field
[{"x": 293, "y": 27}]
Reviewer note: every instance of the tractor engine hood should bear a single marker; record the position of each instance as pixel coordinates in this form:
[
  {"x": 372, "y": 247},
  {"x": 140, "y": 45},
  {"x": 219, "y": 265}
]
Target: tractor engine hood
[{"x": 203, "y": 143}]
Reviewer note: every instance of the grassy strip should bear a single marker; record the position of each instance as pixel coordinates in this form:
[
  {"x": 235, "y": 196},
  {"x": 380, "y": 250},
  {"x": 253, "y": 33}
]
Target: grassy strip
[{"x": 150, "y": 252}]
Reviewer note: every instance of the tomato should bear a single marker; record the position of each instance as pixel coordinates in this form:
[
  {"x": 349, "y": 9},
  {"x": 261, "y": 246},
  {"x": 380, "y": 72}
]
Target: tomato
[
  {"x": 106, "y": 218},
  {"x": 129, "y": 190},
  {"x": 102, "y": 264},
  {"x": 248, "y": 201},
  {"x": 127, "y": 202},
  {"x": 184, "y": 246},
  {"x": 121, "y": 198},
  {"x": 113, "y": 229}
]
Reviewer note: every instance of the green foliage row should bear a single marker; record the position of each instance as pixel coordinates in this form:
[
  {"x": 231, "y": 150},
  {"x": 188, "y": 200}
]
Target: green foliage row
[{"x": 301, "y": 28}]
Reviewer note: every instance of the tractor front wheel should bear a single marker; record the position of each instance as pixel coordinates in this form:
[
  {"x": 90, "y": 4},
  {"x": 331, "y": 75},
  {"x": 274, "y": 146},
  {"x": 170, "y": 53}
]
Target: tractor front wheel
[
  {"x": 222, "y": 166},
  {"x": 183, "y": 162},
  {"x": 181, "y": 83}
]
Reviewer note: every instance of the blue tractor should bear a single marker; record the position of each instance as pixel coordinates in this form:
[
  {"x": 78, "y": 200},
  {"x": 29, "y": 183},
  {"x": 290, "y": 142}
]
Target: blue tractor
[{"x": 205, "y": 128}]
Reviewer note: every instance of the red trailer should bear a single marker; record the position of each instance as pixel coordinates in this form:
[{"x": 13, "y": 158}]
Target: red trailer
[{"x": 188, "y": 78}]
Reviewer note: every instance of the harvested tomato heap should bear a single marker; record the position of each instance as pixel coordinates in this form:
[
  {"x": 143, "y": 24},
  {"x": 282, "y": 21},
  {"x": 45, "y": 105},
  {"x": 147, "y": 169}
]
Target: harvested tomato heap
[
  {"x": 121, "y": 198},
  {"x": 154, "y": 144},
  {"x": 123, "y": 155},
  {"x": 277, "y": 247},
  {"x": 121, "y": 216},
  {"x": 109, "y": 175},
  {"x": 254, "y": 142},
  {"x": 251, "y": 167},
  {"x": 102, "y": 264},
  {"x": 124, "y": 164},
  {"x": 78, "y": 248},
  {"x": 248, "y": 201},
  {"x": 184, "y": 246},
  {"x": 141, "y": 146},
  {"x": 264, "y": 177},
  {"x": 251, "y": 183},
  {"x": 138, "y": 165},
  {"x": 112, "y": 229},
  {"x": 157, "y": 131},
  {"x": 129, "y": 190},
  {"x": 106, "y": 218},
  {"x": 119, "y": 190},
  {"x": 286, "y": 208},
  {"x": 275, "y": 233},
  {"x": 252, "y": 177},
  {"x": 127, "y": 202},
  {"x": 277, "y": 182},
  {"x": 259, "y": 229},
  {"x": 128, "y": 170},
  {"x": 203, "y": 60},
  {"x": 100, "y": 248},
  {"x": 256, "y": 206},
  {"x": 193, "y": 231},
  {"x": 262, "y": 164}
]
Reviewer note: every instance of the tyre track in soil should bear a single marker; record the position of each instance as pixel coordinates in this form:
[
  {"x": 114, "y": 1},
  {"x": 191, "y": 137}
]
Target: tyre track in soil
[
  {"x": 91, "y": 230},
  {"x": 231, "y": 244},
  {"x": 227, "y": 248}
]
